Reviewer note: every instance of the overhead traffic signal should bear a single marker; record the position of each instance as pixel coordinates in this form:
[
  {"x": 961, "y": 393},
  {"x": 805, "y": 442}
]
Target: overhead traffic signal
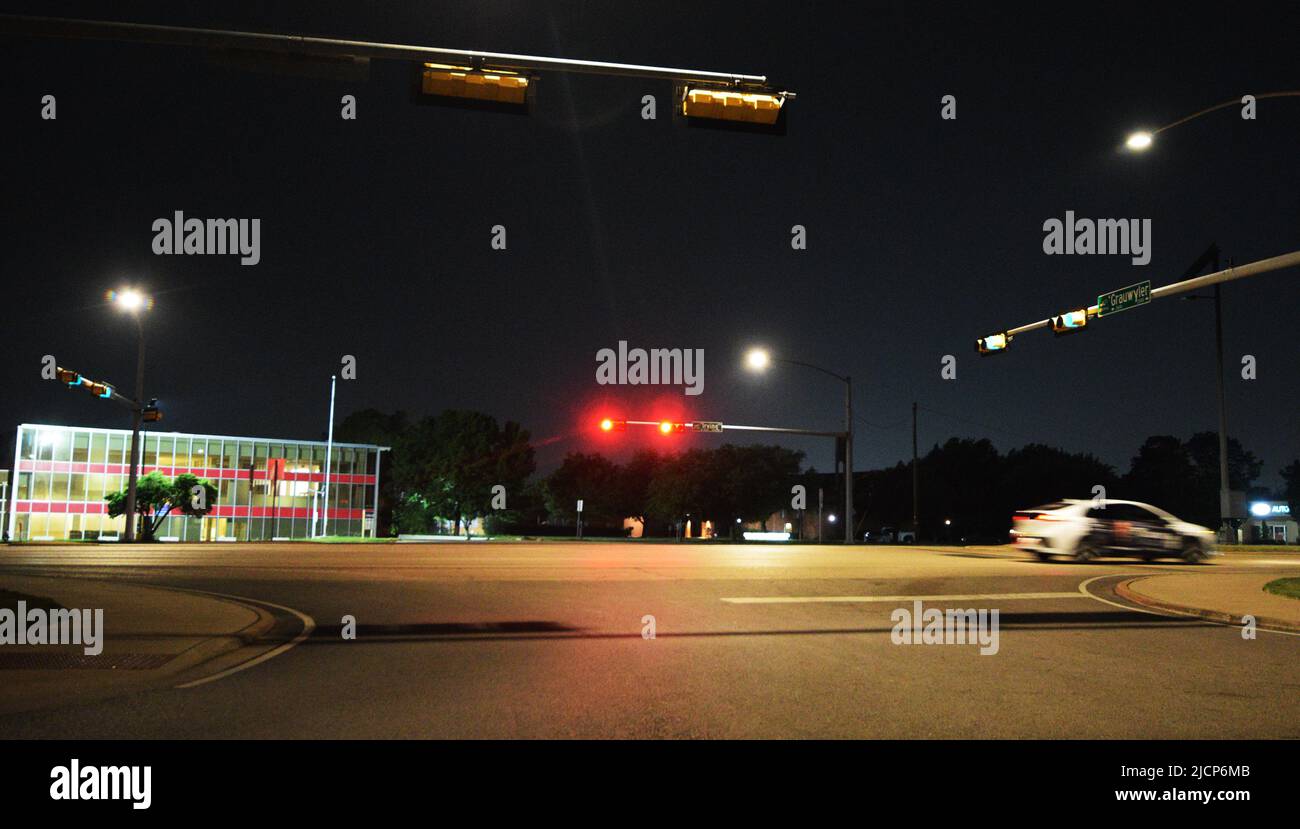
[
  {"x": 151, "y": 413},
  {"x": 758, "y": 107},
  {"x": 480, "y": 88},
  {"x": 1070, "y": 321},
  {"x": 993, "y": 343},
  {"x": 68, "y": 376},
  {"x": 668, "y": 427},
  {"x": 608, "y": 425}
]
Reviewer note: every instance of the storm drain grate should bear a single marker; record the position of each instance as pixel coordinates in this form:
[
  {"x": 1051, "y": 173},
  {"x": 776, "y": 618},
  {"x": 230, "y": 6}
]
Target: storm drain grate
[{"x": 61, "y": 661}]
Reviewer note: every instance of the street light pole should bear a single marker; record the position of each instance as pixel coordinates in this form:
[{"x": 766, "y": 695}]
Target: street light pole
[
  {"x": 137, "y": 416},
  {"x": 329, "y": 452},
  {"x": 758, "y": 360}
]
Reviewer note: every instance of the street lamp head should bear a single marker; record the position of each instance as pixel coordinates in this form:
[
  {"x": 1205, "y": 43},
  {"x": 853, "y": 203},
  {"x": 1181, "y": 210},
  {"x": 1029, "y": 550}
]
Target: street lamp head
[
  {"x": 831, "y": 518},
  {"x": 1139, "y": 141},
  {"x": 757, "y": 359},
  {"x": 130, "y": 300}
]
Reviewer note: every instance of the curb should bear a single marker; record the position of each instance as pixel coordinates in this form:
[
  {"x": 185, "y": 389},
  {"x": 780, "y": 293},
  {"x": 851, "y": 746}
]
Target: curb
[{"x": 1124, "y": 591}]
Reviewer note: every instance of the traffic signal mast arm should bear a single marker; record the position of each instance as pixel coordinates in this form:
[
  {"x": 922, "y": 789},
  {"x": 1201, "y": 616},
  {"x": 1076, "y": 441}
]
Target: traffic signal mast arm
[
  {"x": 103, "y": 390},
  {"x": 1286, "y": 260},
  {"x": 336, "y": 48},
  {"x": 730, "y": 427}
]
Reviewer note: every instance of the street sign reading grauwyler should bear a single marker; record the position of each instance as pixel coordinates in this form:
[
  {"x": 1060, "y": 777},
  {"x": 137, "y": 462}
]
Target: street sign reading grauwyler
[{"x": 1124, "y": 298}]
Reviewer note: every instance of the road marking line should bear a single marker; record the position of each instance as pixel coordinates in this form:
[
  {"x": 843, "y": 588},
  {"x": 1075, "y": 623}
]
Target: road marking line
[
  {"x": 954, "y": 597},
  {"x": 1083, "y": 588},
  {"x": 308, "y": 625}
]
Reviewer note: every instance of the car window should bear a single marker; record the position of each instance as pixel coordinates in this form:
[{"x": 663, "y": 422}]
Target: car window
[{"x": 1131, "y": 512}]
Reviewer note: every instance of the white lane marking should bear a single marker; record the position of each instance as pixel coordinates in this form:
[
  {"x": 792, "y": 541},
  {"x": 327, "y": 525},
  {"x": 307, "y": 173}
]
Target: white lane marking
[
  {"x": 308, "y": 625},
  {"x": 954, "y": 597},
  {"x": 1083, "y": 588}
]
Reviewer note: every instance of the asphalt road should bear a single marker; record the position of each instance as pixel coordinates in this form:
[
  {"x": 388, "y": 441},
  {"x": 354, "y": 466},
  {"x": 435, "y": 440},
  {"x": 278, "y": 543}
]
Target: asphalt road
[{"x": 546, "y": 640}]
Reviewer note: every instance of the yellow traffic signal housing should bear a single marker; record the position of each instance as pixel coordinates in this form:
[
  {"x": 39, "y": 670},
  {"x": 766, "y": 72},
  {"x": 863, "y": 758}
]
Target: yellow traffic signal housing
[
  {"x": 489, "y": 88},
  {"x": 739, "y": 105},
  {"x": 152, "y": 415},
  {"x": 993, "y": 343},
  {"x": 1070, "y": 321},
  {"x": 68, "y": 376},
  {"x": 98, "y": 389}
]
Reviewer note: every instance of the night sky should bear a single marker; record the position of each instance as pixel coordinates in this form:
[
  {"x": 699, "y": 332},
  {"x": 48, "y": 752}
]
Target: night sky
[{"x": 922, "y": 233}]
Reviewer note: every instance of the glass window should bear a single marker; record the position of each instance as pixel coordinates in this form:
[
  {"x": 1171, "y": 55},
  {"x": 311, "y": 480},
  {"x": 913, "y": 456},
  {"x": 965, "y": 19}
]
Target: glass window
[
  {"x": 62, "y": 445},
  {"x": 40, "y": 486},
  {"x": 166, "y": 451},
  {"x": 59, "y": 487},
  {"x": 81, "y": 447},
  {"x": 150, "y": 450},
  {"x": 24, "y": 485},
  {"x": 98, "y": 447},
  {"x": 95, "y": 487},
  {"x": 77, "y": 491},
  {"x": 117, "y": 449},
  {"x": 28, "y": 450},
  {"x": 245, "y": 454},
  {"x": 229, "y": 454}
]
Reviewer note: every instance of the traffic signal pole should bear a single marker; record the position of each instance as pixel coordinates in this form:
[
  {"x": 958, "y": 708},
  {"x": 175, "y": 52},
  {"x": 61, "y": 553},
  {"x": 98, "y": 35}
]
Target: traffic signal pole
[
  {"x": 1229, "y": 274},
  {"x": 137, "y": 415},
  {"x": 846, "y": 436}
]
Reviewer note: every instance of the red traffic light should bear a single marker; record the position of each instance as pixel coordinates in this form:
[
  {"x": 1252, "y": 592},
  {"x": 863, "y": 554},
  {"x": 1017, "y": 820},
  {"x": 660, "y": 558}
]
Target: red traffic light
[
  {"x": 609, "y": 425},
  {"x": 667, "y": 427}
]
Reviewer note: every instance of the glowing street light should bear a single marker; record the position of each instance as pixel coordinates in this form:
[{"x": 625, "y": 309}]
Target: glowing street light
[
  {"x": 757, "y": 359},
  {"x": 1139, "y": 141}
]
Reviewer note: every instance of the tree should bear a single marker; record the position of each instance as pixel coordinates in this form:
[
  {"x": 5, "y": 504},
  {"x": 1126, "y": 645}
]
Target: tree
[
  {"x": 156, "y": 497},
  {"x": 1291, "y": 475},
  {"x": 381, "y": 429},
  {"x": 592, "y": 478},
  {"x": 446, "y": 467}
]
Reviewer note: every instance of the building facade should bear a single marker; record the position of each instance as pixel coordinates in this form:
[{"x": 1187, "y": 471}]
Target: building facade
[{"x": 266, "y": 488}]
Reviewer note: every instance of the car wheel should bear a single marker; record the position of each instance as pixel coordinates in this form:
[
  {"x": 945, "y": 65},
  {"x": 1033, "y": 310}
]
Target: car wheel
[
  {"x": 1043, "y": 556},
  {"x": 1087, "y": 550},
  {"x": 1193, "y": 553}
]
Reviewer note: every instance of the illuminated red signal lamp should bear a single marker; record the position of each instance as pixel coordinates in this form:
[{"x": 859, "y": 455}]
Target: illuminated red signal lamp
[{"x": 610, "y": 425}]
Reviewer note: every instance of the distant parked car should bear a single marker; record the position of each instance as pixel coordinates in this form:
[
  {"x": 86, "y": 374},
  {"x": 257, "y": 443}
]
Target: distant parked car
[
  {"x": 1087, "y": 529},
  {"x": 889, "y": 535}
]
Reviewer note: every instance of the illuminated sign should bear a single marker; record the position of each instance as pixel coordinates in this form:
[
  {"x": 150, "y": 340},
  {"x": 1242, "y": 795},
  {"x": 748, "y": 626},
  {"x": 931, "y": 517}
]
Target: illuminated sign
[{"x": 1264, "y": 509}]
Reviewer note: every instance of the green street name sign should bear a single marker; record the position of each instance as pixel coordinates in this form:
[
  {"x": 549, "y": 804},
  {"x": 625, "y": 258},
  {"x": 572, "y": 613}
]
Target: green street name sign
[
  {"x": 708, "y": 425},
  {"x": 1124, "y": 299}
]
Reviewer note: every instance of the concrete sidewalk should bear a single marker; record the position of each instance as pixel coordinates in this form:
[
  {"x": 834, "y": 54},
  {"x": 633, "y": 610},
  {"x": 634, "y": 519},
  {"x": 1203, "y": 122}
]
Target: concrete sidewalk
[
  {"x": 1219, "y": 597},
  {"x": 152, "y": 638}
]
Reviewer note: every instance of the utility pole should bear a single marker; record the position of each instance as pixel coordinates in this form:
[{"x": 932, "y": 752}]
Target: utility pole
[
  {"x": 1210, "y": 257},
  {"x": 1225, "y": 507},
  {"x": 916, "y": 480},
  {"x": 848, "y": 459}
]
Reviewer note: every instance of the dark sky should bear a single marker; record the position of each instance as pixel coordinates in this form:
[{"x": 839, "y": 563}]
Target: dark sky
[{"x": 922, "y": 233}]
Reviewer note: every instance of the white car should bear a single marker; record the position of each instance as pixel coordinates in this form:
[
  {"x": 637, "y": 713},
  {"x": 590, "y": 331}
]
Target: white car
[{"x": 1086, "y": 529}]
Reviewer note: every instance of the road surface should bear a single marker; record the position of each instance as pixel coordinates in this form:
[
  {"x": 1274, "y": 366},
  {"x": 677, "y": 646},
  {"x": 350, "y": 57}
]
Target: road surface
[{"x": 526, "y": 640}]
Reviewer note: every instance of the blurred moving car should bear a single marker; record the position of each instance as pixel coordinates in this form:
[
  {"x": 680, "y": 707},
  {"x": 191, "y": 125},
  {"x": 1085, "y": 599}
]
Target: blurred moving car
[
  {"x": 889, "y": 535},
  {"x": 1087, "y": 529}
]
